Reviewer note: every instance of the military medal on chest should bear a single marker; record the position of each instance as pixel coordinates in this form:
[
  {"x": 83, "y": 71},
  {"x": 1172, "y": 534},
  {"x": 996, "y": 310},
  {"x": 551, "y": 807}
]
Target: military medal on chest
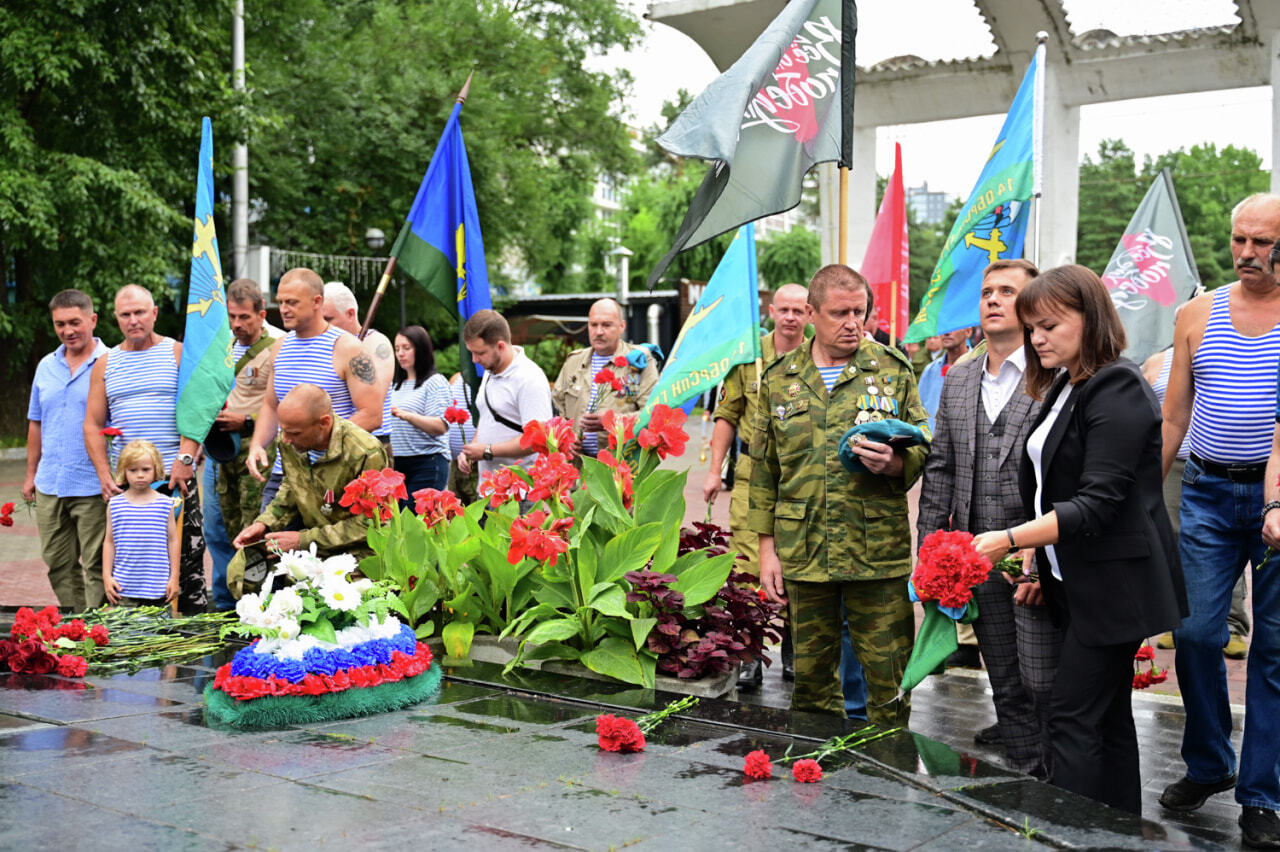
[{"x": 327, "y": 507}]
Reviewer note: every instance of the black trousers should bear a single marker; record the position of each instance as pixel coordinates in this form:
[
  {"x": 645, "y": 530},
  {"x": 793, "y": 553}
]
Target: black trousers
[{"x": 1092, "y": 736}]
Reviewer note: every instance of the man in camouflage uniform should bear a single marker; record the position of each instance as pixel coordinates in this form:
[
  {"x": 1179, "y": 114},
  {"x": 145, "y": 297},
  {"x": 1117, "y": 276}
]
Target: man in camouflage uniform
[
  {"x": 735, "y": 412},
  {"x": 828, "y": 536},
  {"x": 576, "y": 393},
  {"x": 232, "y": 498},
  {"x": 321, "y": 453}
]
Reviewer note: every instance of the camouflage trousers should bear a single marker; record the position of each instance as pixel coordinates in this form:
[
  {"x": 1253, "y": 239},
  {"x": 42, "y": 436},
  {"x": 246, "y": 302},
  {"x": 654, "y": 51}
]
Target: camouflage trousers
[
  {"x": 193, "y": 593},
  {"x": 882, "y": 628},
  {"x": 239, "y": 493},
  {"x": 745, "y": 541}
]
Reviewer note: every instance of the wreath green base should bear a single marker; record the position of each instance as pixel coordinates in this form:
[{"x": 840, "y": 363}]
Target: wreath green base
[{"x": 279, "y": 711}]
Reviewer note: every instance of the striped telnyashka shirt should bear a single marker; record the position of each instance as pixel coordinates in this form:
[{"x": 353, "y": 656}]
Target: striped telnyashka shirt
[
  {"x": 142, "y": 398},
  {"x": 309, "y": 360},
  {"x": 141, "y": 538}
]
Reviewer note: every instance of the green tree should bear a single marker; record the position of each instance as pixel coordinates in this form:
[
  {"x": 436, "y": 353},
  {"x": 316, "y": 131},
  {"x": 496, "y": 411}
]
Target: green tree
[
  {"x": 358, "y": 105},
  {"x": 791, "y": 257},
  {"x": 1110, "y": 191},
  {"x": 100, "y": 106},
  {"x": 1209, "y": 184}
]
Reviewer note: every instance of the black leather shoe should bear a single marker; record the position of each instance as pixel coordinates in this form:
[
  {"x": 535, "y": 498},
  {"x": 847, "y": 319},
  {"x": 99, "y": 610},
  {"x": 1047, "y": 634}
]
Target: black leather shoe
[
  {"x": 750, "y": 676},
  {"x": 1259, "y": 828},
  {"x": 1186, "y": 795},
  {"x": 788, "y": 658},
  {"x": 988, "y": 736},
  {"x": 964, "y": 657}
]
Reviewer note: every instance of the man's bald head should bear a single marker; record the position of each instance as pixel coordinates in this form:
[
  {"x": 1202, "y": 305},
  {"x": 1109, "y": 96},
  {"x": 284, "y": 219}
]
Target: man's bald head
[
  {"x": 605, "y": 325},
  {"x": 310, "y": 401},
  {"x": 789, "y": 315},
  {"x": 132, "y": 292},
  {"x": 306, "y": 418},
  {"x": 302, "y": 275}
]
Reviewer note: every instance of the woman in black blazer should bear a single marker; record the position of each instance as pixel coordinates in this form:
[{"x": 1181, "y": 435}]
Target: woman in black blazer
[{"x": 1106, "y": 553}]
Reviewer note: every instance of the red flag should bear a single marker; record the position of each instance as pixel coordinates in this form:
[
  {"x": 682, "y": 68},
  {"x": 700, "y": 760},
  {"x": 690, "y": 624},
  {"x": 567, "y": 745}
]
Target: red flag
[{"x": 885, "y": 263}]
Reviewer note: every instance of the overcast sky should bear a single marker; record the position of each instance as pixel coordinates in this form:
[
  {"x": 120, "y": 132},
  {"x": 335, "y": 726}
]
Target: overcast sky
[{"x": 950, "y": 154}]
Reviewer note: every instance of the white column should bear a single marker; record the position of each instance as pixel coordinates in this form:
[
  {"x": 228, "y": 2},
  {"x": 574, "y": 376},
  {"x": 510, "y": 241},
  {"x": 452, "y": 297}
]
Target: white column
[
  {"x": 828, "y": 214},
  {"x": 862, "y": 193},
  {"x": 1059, "y": 208},
  {"x": 240, "y": 161},
  {"x": 1275, "y": 111}
]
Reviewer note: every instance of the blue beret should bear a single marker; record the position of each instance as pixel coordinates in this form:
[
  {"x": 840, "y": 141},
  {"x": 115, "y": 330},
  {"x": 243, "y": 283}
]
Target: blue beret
[{"x": 896, "y": 433}]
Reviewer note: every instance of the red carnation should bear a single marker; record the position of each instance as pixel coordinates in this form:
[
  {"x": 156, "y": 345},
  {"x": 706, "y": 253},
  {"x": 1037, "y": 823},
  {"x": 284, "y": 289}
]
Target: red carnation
[
  {"x": 111, "y": 432},
  {"x": 98, "y": 633},
  {"x": 436, "y": 506},
  {"x": 948, "y": 569},
  {"x": 616, "y": 733},
  {"x": 7, "y": 648},
  {"x": 619, "y": 361},
  {"x": 1159, "y": 675},
  {"x": 6, "y": 521},
  {"x": 72, "y": 666},
  {"x": 73, "y": 630},
  {"x": 806, "y": 771},
  {"x": 757, "y": 765},
  {"x": 32, "y": 658},
  {"x": 454, "y": 414},
  {"x": 665, "y": 432},
  {"x": 1141, "y": 680},
  {"x": 7, "y": 508},
  {"x": 1145, "y": 652},
  {"x": 502, "y": 485}
]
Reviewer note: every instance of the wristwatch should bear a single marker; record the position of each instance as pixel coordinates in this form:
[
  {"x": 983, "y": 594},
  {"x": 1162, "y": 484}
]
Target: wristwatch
[
  {"x": 488, "y": 452},
  {"x": 186, "y": 458}
]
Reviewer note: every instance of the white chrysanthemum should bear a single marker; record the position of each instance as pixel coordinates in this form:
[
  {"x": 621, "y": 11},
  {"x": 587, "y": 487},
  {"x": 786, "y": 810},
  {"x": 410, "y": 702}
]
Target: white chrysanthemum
[
  {"x": 249, "y": 609},
  {"x": 302, "y": 564},
  {"x": 288, "y": 629},
  {"x": 362, "y": 585},
  {"x": 285, "y": 602},
  {"x": 340, "y": 595}
]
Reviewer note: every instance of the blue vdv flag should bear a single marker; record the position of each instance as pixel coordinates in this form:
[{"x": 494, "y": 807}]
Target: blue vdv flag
[
  {"x": 993, "y": 222},
  {"x": 440, "y": 245},
  {"x": 723, "y": 330},
  {"x": 207, "y": 370}
]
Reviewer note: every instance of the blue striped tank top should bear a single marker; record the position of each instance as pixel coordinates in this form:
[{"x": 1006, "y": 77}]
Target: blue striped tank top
[
  {"x": 142, "y": 398},
  {"x": 309, "y": 360},
  {"x": 141, "y": 538},
  {"x": 1233, "y": 413},
  {"x": 1160, "y": 387}
]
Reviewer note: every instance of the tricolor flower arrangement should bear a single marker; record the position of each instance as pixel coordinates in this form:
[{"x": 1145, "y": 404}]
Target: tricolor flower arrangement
[
  {"x": 40, "y": 643},
  {"x": 328, "y": 647}
]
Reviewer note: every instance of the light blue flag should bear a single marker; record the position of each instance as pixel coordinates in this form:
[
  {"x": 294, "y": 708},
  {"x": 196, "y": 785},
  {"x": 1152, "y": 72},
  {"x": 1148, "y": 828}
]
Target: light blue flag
[
  {"x": 991, "y": 225},
  {"x": 723, "y": 330},
  {"x": 207, "y": 370}
]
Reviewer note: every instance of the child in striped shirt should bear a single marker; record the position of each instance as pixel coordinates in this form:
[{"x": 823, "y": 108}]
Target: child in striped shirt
[{"x": 140, "y": 551}]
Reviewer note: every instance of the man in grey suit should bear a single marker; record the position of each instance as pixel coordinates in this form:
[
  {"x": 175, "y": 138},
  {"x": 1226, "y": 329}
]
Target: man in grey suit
[{"x": 971, "y": 484}]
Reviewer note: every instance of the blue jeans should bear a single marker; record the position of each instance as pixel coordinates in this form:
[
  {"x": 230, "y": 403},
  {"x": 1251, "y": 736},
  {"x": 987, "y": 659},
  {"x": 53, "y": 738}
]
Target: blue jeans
[
  {"x": 425, "y": 471},
  {"x": 1220, "y": 534},
  {"x": 215, "y": 537},
  {"x": 852, "y": 682}
]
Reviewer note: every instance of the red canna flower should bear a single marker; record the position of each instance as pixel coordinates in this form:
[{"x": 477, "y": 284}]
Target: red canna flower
[
  {"x": 615, "y": 733},
  {"x": 436, "y": 506},
  {"x": 502, "y": 486},
  {"x": 620, "y": 361},
  {"x": 374, "y": 492},
  {"x": 453, "y": 414},
  {"x": 528, "y": 538},
  {"x": 553, "y": 436},
  {"x": 621, "y": 429},
  {"x": 665, "y": 432},
  {"x": 553, "y": 476},
  {"x": 806, "y": 771},
  {"x": 757, "y": 765},
  {"x": 622, "y": 475}
]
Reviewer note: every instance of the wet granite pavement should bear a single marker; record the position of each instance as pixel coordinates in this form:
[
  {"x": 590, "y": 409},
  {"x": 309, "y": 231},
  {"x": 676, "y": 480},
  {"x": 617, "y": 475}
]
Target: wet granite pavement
[{"x": 127, "y": 762}]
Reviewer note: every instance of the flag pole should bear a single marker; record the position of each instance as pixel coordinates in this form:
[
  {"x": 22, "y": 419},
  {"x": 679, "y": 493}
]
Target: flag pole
[
  {"x": 1037, "y": 143},
  {"x": 391, "y": 261},
  {"x": 843, "y": 236}
]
